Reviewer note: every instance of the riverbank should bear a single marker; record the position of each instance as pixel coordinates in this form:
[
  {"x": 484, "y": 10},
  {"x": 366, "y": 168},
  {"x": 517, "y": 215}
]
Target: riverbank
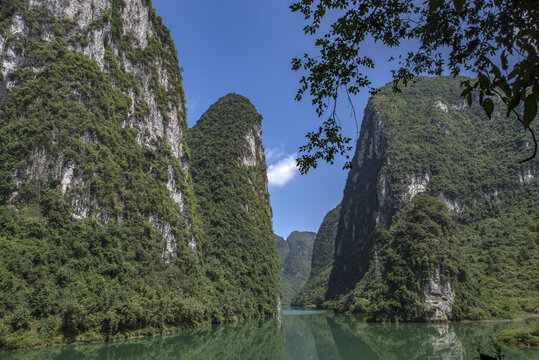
[{"x": 298, "y": 335}]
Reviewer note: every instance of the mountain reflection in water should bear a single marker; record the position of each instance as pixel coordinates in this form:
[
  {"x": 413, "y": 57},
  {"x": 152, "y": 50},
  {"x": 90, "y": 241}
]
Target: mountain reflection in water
[{"x": 298, "y": 335}]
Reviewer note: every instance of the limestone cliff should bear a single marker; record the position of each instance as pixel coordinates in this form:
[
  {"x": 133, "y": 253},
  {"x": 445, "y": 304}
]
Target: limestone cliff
[
  {"x": 426, "y": 140},
  {"x": 101, "y": 235},
  {"x": 315, "y": 288},
  {"x": 76, "y": 77},
  {"x": 229, "y": 172}
]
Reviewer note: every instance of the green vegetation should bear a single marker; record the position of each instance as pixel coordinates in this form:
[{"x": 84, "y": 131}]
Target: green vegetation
[
  {"x": 110, "y": 254},
  {"x": 526, "y": 335},
  {"x": 314, "y": 291},
  {"x": 229, "y": 172},
  {"x": 281, "y": 247},
  {"x": 454, "y": 36},
  {"x": 425, "y": 138},
  {"x": 313, "y": 294},
  {"x": 324, "y": 243},
  {"x": 295, "y": 259},
  {"x": 420, "y": 243},
  {"x": 64, "y": 279},
  {"x": 105, "y": 276}
]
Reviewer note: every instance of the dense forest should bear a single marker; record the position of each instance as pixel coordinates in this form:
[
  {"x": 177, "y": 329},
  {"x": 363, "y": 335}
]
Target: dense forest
[
  {"x": 474, "y": 237},
  {"x": 101, "y": 233},
  {"x": 229, "y": 172},
  {"x": 294, "y": 255}
]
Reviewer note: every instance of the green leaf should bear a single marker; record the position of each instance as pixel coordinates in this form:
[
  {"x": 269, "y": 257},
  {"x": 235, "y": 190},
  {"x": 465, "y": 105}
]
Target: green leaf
[
  {"x": 503, "y": 57},
  {"x": 434, "y": 5},
  {"x": 530, "y": 110},
  {"x": 513, "y": 103},
  {"x": 488, "y": 105},
  {"x": 458, "y": 5},
  {"x": 496, "y": 71},
  {"x": 483, "y": 81},
  {"x": 502, "y": 84}
]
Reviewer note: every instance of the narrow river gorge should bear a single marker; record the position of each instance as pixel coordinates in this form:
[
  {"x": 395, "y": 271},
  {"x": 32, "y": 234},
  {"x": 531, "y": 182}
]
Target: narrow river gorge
[{"x": 299, "y": 334}]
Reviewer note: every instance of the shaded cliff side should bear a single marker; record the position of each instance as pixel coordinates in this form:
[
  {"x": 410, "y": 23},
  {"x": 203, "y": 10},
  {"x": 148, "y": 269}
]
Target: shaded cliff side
[
  {"x": 229, "y": 172},
  {"x": 426, "y": 139},
  {"x": 314, "y": 290}
]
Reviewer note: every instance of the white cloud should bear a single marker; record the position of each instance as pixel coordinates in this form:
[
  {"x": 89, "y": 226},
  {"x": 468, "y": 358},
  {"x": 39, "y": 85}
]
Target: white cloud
[
  {"x": 275, "y": 154},
  {"x": 282, "y": 172},
  {"x": 191, "y": 105}
]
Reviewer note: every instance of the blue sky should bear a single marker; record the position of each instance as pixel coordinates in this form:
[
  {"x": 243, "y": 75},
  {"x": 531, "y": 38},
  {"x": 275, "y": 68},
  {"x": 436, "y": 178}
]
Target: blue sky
[{"x": 245, "y": 47}]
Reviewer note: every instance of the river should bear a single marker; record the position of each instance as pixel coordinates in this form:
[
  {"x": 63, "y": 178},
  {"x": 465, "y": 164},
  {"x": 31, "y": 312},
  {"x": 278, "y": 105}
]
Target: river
[{"x": 298, "y": 335}]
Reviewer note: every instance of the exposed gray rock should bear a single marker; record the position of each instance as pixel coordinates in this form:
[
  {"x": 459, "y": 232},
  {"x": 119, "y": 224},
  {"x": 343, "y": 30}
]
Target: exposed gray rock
[
  {"x": 440, "y": 105},
  {"x": 91, "y": 20},
  {"x": 453, "y": 204},
  {"x": 250, "y": 158},
  {"x": 440, "y": 295},
  {"x": 418, "y": 184},
  {"x": 527, "y": 175}
]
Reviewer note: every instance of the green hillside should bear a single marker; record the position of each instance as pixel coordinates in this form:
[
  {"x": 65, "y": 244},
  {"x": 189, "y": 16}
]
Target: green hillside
[
  {"x": 228, "y": 167},
  {"x": 101, "y": 233},
  {"x": 314, "y": 291},
  {"x": 92, "y": 244},
  {"x": 295, "y": 255},
  {"x": 426, "y": 139}
]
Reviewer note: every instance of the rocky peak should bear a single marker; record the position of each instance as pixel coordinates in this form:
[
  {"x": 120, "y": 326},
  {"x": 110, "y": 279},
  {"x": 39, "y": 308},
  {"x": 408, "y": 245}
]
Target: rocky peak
[
  {"x": 122, "y": 48},
  {"x": 423, "y": 141},
  {"x": 229, "y": 172}
]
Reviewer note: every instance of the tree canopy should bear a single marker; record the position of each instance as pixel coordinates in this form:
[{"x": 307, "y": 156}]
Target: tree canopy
[{"x": 497, "y": 40}]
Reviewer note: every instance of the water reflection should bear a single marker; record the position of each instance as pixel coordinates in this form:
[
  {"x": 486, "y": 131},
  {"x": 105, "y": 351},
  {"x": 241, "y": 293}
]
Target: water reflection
[
  {"x": 298, "y": 335},
  {"x": 254, "y": 339}
]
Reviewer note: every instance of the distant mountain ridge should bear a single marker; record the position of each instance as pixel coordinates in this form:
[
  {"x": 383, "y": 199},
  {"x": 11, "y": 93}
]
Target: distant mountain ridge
[
  {"x": 314, "y": 291},
  {"x": 295, "y": 255}
]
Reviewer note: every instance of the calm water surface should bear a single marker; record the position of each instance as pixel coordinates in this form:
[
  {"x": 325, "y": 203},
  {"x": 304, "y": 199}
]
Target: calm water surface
[{"x": 298, "y": 335}]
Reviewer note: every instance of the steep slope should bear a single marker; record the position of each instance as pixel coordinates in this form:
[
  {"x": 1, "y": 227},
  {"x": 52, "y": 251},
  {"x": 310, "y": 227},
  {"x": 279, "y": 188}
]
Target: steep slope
[
  {"x": 324, "y": 243},
  {"x": 426, "y": 139},
  {"x": 295, "y": 260},
  {"x": 314, "y": 291},
  {"x": 98, "y": 225},
  {"x": 282, "y": 248},
  {"x": 229, "y": 172}
]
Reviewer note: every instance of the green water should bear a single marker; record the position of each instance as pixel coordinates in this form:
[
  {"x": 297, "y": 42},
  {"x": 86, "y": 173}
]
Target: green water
[{"x": 298, "y": 335}]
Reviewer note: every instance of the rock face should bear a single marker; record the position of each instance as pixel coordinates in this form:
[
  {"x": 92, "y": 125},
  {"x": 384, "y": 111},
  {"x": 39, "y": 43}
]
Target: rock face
[
  {"x": 101, "y": 231},
  {"x": 424, "y": 141},
  {"x": 122, "y": 48},
  {"x": 367, "y": 192},
  {"x": 314, "y": 290},
  {"x": 229, "y": 172},
  {"x": 324, "y": 243},
  {"x": 440, "y": 294}
]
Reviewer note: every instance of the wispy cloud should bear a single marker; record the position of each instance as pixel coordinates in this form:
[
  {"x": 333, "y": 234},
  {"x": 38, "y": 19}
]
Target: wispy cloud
[
  {"x": 282, "y": 172},
  {"x": 275, "y": 154},
  {"x": 191, "y": 105}
]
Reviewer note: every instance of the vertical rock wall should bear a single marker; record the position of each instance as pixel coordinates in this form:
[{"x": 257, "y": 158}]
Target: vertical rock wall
[{"x": 127, "y": 48}]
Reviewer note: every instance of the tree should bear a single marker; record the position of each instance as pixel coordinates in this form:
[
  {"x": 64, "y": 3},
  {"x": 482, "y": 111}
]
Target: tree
[{"x": 497, "y": 40}]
